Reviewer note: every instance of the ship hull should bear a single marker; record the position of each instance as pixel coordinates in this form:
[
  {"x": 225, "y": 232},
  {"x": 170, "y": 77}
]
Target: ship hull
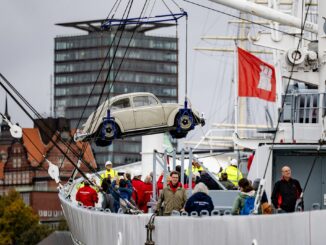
[{"x": 97, "y": 227}]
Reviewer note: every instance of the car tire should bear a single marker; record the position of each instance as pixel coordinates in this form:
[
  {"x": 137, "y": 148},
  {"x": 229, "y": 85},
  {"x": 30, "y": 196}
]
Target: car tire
[
  {"x": 111, "y": 130},
  {"x": 185, "y": 121}
]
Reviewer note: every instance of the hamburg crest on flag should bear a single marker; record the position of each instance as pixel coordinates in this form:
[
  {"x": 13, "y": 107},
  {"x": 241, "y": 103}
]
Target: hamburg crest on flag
[{"x": 256, "y": 77}]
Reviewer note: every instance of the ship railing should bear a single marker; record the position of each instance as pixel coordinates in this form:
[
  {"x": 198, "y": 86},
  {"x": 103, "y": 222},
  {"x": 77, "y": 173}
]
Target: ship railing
[{"x": 303, "y": 107}]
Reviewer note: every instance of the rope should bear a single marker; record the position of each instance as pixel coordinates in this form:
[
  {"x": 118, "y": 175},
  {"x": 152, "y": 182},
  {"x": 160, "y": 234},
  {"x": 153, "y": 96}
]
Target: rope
[
  {"x": 46, "y": 133},
  {"x": 286, "y": 90},
  {"x": 250, "y": 21}
]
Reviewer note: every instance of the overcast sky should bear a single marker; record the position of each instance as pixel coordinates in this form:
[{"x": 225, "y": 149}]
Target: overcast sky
[{"x": 27, "y": 46}]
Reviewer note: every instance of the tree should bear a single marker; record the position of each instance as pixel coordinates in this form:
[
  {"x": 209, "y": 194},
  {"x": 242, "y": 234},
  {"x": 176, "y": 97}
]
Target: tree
[{"x": 17, "y": 220}]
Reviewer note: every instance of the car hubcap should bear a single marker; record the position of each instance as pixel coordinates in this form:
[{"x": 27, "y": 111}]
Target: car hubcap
[
  {"x": 185, "y": 122},
  {"x": 109, "y": 131}
]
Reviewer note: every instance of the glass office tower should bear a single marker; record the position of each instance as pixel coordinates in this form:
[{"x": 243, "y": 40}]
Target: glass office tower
[{"x": 83, "y": 61}]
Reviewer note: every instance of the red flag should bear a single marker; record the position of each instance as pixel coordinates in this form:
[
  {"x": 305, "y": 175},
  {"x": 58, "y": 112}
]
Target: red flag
[{"x": 256, "y": 77}]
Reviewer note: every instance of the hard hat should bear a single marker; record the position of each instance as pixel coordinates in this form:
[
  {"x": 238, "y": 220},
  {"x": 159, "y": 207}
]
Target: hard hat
[
  {"x": 108, "y": 163},
  {"x": 234, "y": 162},
  {"x": 89, "y": 176}
]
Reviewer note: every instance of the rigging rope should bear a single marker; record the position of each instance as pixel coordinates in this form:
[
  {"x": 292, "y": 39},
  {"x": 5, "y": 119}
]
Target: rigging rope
[
  {"x": 237, "y": 17},
  {"x": 84, "y": 145},
  {"x": 286, "y": 90},
  {"x": 46, "y": 132}
]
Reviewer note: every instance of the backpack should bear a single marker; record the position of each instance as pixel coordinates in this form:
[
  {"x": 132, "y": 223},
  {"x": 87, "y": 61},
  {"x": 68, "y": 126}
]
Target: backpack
[{"x": 249, "y": 205}]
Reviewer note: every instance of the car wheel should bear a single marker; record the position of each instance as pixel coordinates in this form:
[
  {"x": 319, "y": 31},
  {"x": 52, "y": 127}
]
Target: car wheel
[
  {"x": 110, "y": 130},
  {"x": 185, "y": 122}
]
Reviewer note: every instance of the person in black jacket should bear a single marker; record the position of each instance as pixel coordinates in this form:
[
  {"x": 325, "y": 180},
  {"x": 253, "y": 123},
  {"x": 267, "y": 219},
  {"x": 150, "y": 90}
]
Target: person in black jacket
[
  {"x": 286, "y": 192},
  {"x": 200, "y": 200},
  {"x": 206, "y": 179}
]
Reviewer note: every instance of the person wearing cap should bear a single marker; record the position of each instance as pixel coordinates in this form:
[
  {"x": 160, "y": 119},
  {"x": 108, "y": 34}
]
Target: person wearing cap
[
  {"x": 138, "y": 189},
  {"x": 109, "y": 172},
  {"x": 234, "y": 174}
]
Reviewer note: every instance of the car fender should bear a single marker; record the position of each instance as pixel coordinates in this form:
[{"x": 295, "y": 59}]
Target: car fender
[
  {"x": 118, "y": 122},
  {"x": 172, "y": 116}
]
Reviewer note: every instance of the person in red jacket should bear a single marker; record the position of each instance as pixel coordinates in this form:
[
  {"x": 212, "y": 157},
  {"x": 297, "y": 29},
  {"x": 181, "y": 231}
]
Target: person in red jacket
[
  {"x": 138, "y": 189},
  {"x": 159, "y": 183},
  {"x": 193, "y": 182},
  {"x": 87, "y": 195},
  {"x": 148, "y": 193}
]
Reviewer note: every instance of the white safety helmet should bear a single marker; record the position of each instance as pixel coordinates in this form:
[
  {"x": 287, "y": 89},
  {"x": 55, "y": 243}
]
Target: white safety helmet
[
  {"x": 108, "y": 163},
  {"x": 234, "y": 162}
]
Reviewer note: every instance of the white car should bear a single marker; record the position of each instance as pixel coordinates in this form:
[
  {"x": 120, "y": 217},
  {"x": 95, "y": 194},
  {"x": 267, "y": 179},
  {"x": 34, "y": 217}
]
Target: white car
[{"x": 137, "y": 114}]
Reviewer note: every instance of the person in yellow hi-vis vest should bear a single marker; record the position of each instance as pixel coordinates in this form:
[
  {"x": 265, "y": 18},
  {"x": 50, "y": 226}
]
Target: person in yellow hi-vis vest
[
  {"x": 234, "y": 174},
  {"x": 196, "y": 168},
  {"x": 109, "y": 173}
]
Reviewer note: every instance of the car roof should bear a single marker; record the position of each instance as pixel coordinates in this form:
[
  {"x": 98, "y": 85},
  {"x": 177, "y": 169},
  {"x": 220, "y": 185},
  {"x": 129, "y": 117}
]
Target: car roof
[{"x": 121, "y": 96}]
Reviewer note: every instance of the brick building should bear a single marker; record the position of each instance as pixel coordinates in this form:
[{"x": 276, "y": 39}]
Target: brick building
[{"x": 24, "y": 168}]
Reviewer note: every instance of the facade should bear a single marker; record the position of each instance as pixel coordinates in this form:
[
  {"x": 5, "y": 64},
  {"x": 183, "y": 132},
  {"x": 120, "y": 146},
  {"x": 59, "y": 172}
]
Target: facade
[
  {"x": 150, "y": 65},
  {"x": 23, "y": 167}
]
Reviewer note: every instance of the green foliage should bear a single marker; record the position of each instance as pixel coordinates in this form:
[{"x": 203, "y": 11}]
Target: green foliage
[
  {"x": 63, "y": 226},
  {"x": 18, "y": 223}
]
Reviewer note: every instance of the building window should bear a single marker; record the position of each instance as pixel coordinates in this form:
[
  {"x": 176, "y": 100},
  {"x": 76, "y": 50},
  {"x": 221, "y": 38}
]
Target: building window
[
  {"x": 26, "y": 198},
  {"x": 19, "y": 162},
  {"x": 41, "y": 186},
  {"x": 14, "y": 177},
  {"x": 14, "y": 163},
  {"x": 19, "y": 179}
]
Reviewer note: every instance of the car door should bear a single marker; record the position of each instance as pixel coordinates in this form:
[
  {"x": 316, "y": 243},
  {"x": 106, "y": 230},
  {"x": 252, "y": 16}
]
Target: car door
[
  {"x": 148, "y": 112},
  {"x": 122, "y": 110}
]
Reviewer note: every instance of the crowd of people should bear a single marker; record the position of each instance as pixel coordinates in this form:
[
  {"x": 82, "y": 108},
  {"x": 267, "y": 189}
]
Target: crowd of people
[{"x": 137, "y": 192}]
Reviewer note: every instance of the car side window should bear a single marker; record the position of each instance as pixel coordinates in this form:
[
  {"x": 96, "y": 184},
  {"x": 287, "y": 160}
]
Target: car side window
[
  {"x": 121, "y": 104},
  {"x": 144, "y": 101},
  {"x": 141, "y": 101}
]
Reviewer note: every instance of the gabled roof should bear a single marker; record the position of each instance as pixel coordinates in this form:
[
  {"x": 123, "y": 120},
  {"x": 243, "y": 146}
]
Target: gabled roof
[
  {"x": 36, "y": 149},
  {"x": 34, "y": 145}
]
